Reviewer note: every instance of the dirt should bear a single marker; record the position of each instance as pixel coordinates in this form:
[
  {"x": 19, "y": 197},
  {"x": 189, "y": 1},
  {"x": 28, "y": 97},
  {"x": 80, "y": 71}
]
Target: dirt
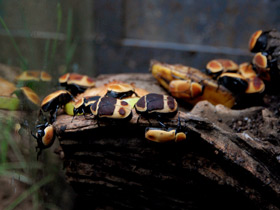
[{"x": 264, "y": 125}]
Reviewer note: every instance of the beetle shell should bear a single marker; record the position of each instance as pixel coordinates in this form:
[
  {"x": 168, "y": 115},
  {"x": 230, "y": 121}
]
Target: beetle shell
[
  {"x": 162, "y": 135},
  {"x": 157, "y": 104},
  {"x": 234, "y": 82},
  {"x": 185, "y": 89},
  {"x": 31, "y": 95},
  {"x": 120, "y": 90},
  {"x": 218, "y": 66},
  {"x": 165, "y": 73},
  {"x": 76, "y": 83},
  {"x": 258, "y": 41},
  {"x": 109, "y": 107},
  {"x": 51, "y": 101},
  {"x": 78, "y": 79},
  {"x": 260, "y": 61},
  {"x": 48, "y": 137},
  {"x": 255, "y": 84},
  {"x": 83, "y": 104},
  {"x": 34, "y": 76},
  {"x": 214, "y": 68}
]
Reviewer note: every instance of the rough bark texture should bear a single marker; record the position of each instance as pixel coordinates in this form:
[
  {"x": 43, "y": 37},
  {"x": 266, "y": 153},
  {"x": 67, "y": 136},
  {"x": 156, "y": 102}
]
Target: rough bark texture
[{"x": 111, "y": 164}]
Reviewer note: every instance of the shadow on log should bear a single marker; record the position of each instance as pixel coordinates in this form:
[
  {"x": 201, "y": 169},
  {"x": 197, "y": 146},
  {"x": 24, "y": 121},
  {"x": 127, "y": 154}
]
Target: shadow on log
[{"x": 111, "y": 164}]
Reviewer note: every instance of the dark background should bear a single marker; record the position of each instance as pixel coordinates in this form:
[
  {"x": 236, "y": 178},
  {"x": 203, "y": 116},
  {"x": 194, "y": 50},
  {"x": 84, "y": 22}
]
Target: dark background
[{"x": 123, "y": 36}]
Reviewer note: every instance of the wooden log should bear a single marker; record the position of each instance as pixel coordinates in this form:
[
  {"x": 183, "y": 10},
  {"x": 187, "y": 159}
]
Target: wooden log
[{"x": 111, "y": 164}]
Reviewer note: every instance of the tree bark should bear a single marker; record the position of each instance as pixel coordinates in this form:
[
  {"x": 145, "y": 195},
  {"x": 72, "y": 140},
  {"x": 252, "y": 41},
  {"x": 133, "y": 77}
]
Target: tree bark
[{"x": 111, "y": 164}]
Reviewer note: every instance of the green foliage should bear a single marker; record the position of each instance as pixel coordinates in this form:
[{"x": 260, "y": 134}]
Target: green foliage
[
  {"x": 23, "y": 166},
  {"x": 23, "y": 61}
]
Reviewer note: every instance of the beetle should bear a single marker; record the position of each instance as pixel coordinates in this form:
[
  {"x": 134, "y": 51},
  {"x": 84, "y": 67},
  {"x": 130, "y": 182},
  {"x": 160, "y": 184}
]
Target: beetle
[
  {"x": 164, "y": 135},
  {"x": 111, "y": 108},
  {"x": 157, "y": 104},
  {"x": 234, "y": 82},
  {"x": 76, "y": 83},
  {"x": 255, "y": 84},
  {"x": 34, "y": 76},
  {"x": 120, "y": 90},
  {"x": 82, "y": 106},
  {"x": 45, "y": 136},
  {"x": 54, "y": 101},
  {"x": 261, "y": 62},
  {"x": 29, "y": 99},
  {"x": 218, "y": 66},
  {"x": 186, "y": 89},
  {"x": 258, "y": 41}
]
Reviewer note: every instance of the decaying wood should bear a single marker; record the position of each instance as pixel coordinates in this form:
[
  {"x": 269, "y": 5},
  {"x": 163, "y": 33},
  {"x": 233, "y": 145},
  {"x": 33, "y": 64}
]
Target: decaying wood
[{"x": 112, "y": 162}]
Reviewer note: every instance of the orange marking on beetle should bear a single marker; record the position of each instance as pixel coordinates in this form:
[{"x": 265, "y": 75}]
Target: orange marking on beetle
[
  {"x": 214, "y": 66},
  {"x": 54, "y": 95},
  {"x": 49, "y": 134},
  {"x": 31, "y": 95},
  {"x": 260, "y": 60},
  {"x": 196, "y": 90},
  {"x": 64, "y": 78},
  {"x": 75, "y": 76},
  {"x": 90, "y": 80},
  {"x": 45, "y": 76},
  {"x": 228, "y": 64},
  {"x": 254, "y": 38},
  {"x": 257, "y": 82},
  {"x": 35, "y": 74}
]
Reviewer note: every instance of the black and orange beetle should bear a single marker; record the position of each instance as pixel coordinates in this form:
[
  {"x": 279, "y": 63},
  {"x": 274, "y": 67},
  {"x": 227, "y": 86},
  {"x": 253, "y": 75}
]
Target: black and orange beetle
[
  {"x": 264, "y": 41},
  {"x": 54, "y": 101},
  {"x": 236, "y": 83},
  {"x": 76, "y": 83},
  {"x": 164, "y": 135},
  {"x": 186, "y": 89},
  {"x": 45, "y": 136},
  {"x": 112, "y": 108},
  {"x": 218, "y": 66},
  {"x": 157, "y": 104},
  {"x": 120, "y": 90},
  {"x": 29, "y": 99},
  {"x": 258, "y": 41},
  {"x": 255, "y": 84},
  {"x": 82, "y": 106}
]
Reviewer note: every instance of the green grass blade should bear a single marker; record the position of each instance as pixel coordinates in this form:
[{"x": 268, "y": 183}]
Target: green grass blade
[
  {"x": 3, "y": 151},
  {"x": 22, "y": 177},
  {"x": 58, "y": 26},
  {"x": 30, "y": 191},
  {"x": 69, "y": 29},
  {"x": 20, "y": 165},
  {"x": 22, "y": 59}
]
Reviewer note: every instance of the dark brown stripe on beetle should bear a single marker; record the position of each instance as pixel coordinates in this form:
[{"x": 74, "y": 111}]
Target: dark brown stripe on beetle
[
  {"x": 154, "y": 101},
  {"x": 107, "y": 106},
  {"x": 141, "y": 102},
  {"x": 171, "y": 102},
  {"x": 124, "y": 103}
]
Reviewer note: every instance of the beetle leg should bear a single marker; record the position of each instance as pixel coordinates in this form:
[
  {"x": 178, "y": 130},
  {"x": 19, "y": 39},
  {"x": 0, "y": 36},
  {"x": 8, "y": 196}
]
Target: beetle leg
[
  {"x": 34, "y": 135},
  {"x": 138, "y": 118},
  {"x": 38, "y": 153},
  {"x": 73, "y": 118},
  {"x": 53, "y": 114}
]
